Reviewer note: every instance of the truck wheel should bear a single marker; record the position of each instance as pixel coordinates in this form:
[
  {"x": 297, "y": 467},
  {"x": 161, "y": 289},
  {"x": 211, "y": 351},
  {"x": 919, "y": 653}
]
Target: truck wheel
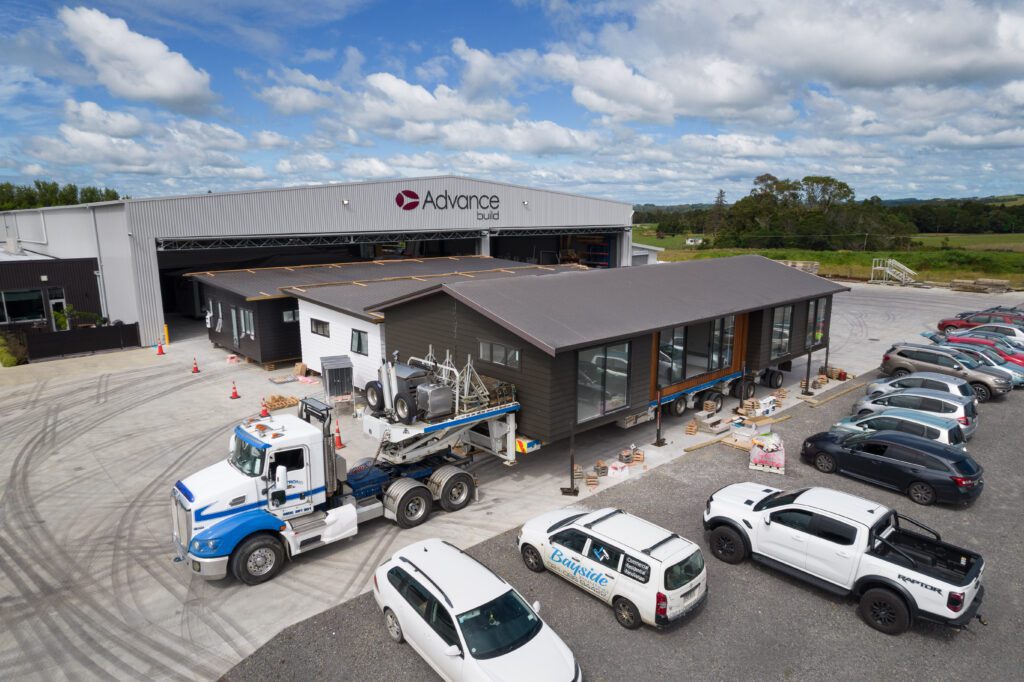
[
  {"x": 679, "y": 406},
  {"x": 981, "y": 392},
  {"x": 734, "y": 389},
  {"x": 626, "y": 613},
  {"x": 715, "y": 397},
  {"x": 777, "y": 378},
  {"x": 414, "y": 507},
  {"x": 457, "y": 492},
  {"x": 922, "y": 493},
  {"x": 393, "y": 627},
  {"x": 727, "y": 545},
  {"x": 404, "y": 410},
  {"x": 748, "y": 390},
  {"x": 257, "y": 560},
  {"x": 885, "y": 611},
  {"x": 375, "y": 396},
  {"x": 531, "y": 557}
]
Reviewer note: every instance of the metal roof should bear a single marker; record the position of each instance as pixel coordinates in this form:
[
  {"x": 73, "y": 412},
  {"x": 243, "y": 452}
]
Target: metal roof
[
  {"x": 262, "y": 283},
  {"x": 355, "y": 298},
  {"x": 578, "y": 309}
]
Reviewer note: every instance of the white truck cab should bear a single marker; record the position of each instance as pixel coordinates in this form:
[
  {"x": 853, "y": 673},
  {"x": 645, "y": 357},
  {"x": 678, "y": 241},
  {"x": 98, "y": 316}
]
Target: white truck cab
[
  {"x": 646, "y": 573},
  {"x": 900, "y": 569}
]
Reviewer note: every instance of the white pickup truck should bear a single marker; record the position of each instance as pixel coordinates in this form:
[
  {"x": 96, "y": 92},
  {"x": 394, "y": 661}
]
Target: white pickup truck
[{"x": 851, "y": 547}]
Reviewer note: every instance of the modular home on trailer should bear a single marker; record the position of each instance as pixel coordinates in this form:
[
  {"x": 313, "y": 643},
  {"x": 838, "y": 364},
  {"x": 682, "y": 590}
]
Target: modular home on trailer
[{"x": 602, "y": 346}]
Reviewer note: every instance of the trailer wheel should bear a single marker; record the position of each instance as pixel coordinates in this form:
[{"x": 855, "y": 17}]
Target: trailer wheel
[
  {"x": 257, "y": 560},
  {"x": 777, "y": 378},
  {"x": 404, "y": 410},
  {"x": 748, "y": 390},
  {"x": 414, "y": 507},
  {"x": 678, "y": 406},
  {"x": 457, "y": 492},
  {"x": 715, "y": 397},
  {"x": 375, "y": 396}
]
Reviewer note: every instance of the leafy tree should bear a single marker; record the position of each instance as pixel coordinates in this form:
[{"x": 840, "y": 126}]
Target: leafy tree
[{"x": 42, "y": 193}]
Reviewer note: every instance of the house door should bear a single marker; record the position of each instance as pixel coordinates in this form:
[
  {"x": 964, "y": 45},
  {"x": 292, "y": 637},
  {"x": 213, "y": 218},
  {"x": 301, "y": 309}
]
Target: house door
[{"x": 58, "y": 305}]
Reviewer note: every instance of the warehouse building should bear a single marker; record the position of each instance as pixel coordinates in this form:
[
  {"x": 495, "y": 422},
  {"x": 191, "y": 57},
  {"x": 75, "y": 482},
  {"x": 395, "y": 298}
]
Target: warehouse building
[
  {"x": 596, "y": 347},
  {"x": 144, "y": 247}
]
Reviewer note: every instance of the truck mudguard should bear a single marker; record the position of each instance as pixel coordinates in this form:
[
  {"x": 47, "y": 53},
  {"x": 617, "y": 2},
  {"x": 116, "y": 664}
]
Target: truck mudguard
[{"x": 227, "y": 534}]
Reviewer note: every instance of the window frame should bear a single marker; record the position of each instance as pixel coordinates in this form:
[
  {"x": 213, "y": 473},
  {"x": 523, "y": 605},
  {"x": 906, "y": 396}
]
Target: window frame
[
  {"x": 775, "y": 350},
  {"x": 816, "y": 309},
  {"x": 602, "y": 351},
  {"x": 326, "y": 331},
  {"x": 563, "y": 531},
  {"x": 364, "y": 337},
  {"x": 290, "y": 315},
  {"x": 24, "y": 320},
  {"x": 507, "y": 353}
]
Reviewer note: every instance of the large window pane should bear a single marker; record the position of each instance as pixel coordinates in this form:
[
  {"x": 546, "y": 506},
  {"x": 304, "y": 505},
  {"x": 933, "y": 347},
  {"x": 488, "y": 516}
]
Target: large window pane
[
  {"x": 616, "y": 378},
  {"x": 728, "y": 340},
  {"x": 671, "y": 356},
  {"x": 715, "y": 359},
  {"x": 602, "y": 383},
  {"x": 782, "y": 322},
  {"x": 24, "y": 306},
  {"x": 698, "y": 339}
]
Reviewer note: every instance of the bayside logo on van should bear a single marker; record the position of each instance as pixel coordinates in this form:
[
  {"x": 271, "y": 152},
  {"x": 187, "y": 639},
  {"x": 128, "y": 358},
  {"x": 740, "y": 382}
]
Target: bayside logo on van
[
  {"x": 485, "y": 205},
  {"x": 578, "y": 570}
]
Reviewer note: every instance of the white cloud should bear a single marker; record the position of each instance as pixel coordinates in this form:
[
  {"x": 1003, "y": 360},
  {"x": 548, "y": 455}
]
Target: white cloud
[
  {"x": 297, "y": 92},
  {"x": 32, "y": 169},
  {"x": 92, "y": 117},
  {"x": 313, "y": 54},
  {"x": 484, "y": 73},
  {"x": 268, "y": 139},
  {"x": 134, "y": 66},
  {"x": 305, "y": 163},
  {"x": 367, "y": 168},
  {"x": 352, "y": 69},
  {"x": 433, "y": 70}
]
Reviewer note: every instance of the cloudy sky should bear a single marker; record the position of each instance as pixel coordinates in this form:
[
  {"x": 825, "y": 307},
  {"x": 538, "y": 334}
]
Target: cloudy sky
[{"x": 664, "y": 101}]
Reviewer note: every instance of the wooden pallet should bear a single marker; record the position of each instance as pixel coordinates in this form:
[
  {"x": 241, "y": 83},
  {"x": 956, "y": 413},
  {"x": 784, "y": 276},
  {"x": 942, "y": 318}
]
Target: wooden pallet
[
  {"x": 771, "y": 470},
  {"x": 280, "y": 402}
]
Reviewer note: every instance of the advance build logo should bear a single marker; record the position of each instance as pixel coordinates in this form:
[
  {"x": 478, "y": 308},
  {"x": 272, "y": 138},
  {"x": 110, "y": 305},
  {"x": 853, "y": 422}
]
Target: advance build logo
[{"x": 485, "y": 205}]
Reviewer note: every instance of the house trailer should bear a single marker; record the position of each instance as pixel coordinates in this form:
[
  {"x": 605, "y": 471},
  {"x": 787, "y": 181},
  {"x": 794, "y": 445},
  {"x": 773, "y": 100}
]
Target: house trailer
[{"x": 593, "y": 347}]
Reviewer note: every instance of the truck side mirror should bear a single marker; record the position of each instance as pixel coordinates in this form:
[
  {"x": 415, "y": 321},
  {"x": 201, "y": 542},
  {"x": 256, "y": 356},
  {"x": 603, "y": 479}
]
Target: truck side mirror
[
  {"x": 536, "y": 607},
  {"x": 768, "y": 518},
  {"x": 281, "y": 477}
]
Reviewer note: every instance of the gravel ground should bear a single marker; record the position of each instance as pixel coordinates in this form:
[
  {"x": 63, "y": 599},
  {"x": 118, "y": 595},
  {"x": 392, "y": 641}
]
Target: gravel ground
[{"x": 757, "y": 623}]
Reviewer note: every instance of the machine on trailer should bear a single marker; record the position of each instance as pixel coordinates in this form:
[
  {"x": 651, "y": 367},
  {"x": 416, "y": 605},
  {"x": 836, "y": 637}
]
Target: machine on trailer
[{"x": 283, "y": 491}]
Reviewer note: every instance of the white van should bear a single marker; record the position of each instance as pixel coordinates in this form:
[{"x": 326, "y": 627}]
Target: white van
[{"x": 645, "y": 572}]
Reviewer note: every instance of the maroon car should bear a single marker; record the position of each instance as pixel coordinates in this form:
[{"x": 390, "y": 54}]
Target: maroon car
[
  {"x": 1004, "y": 349},
  {"x": 968, "y": 320}
]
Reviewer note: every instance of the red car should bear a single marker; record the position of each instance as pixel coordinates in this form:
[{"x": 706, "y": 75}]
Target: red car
[
  {"x": 968, "y": 320},
  {"x": 1005, "y": 350}
]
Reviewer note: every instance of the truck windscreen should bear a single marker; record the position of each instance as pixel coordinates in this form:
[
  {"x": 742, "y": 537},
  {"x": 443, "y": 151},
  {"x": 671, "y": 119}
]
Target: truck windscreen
[{"x": 246, "y": 458}]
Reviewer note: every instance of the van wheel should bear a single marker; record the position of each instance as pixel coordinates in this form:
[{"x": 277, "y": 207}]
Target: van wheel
[
  {"x": 414, "y": 507},
  {"x": 899, "y": 373},
  {"x": 981, "y": 392},
  {"x": 257, "y": 560},
  {"x": 626, "y": 613},
  {"x": 393, "y": 627},
  {"x": 457, "y": 492},
  {"x": 678, "y": 406},
  {"x": 922, "y": 493},
  {"x": 404, "y": 410},
  {"x": 727, "y": 545},
  {"x": 375, "y": 396},
  {"x": 883, "y": 610},
  {"x": 531, "y": 557}
]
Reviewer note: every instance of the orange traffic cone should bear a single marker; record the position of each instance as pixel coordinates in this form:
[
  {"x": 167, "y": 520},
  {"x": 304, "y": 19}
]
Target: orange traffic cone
[
  {"x": 195, "y": 366},
  {"x": 234, "y": 392},
  {"x": 160, "y": 348},
  {"x": 264, "y": 412},
  {"x": 338, "y": 445}
]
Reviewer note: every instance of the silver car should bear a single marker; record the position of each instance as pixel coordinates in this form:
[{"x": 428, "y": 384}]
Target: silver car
[
  {"x": 924, "y": 424},
  {"x": 993, "y": 360},
  {"x": 938, "y": 403},
  {"x": 932, "y": 380}
]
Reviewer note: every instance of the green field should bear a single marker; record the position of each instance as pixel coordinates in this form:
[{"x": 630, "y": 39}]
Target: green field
[
  {"x": 975, "y": 242},
  {"x": 931, "y": 263}
]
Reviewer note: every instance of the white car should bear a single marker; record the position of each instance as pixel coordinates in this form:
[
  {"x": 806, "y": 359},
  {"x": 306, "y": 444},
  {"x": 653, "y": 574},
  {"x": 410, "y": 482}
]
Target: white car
[
  {"x": 646, "y": 573},
  {"x": 464, "y": 620}
]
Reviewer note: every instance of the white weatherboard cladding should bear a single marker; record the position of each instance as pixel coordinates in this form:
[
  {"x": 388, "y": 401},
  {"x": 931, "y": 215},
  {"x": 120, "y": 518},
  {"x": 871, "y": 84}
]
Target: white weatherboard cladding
[{"x": 314, "y": 346}]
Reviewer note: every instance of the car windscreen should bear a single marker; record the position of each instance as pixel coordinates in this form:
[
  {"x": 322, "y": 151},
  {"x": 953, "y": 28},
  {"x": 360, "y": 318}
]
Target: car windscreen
[
  {"x": 499, "y": 626},
  {"x": 966, "y": 391},
  {"x": 686, "y": 570},
  {"x": 970, "y": 410},
  {"x": 777, "y": 499},
  {"x": 956, "y": 436},
  {"x": 565, "y": 522},
  {"x": 967, "y": 467}
]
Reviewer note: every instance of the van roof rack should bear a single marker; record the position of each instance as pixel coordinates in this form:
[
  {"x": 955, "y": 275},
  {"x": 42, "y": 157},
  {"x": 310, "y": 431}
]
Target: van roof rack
[
  {"x": 607, "y": 516},
  {"x": 659, "y": 543}
]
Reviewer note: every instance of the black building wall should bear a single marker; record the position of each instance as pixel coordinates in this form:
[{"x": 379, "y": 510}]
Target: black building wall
[
  {"x": 76, "y": 276},
  {"x": 275, "y": 339},
  {"x": 759, "y": 346},
  {"x": 278, "y": 339}
]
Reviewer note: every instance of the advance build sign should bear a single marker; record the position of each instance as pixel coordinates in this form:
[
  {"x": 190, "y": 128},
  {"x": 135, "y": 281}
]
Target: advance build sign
[{"x": 486, "y": 206}]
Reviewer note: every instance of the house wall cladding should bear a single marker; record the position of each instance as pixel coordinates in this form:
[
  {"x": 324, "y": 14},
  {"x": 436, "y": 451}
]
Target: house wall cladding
[
  {"x": 278, "y": 340},
  {"x": 76, "y": 276},
  {"x": 760, "y": 346},
  {"x": 223, "y": 301},
  {"x": 314, "y": 346}
]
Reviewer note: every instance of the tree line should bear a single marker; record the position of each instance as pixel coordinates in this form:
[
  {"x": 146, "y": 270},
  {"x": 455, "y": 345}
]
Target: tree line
[
  {"x": 821, "y": 212},
  {"x": 41, "y": 194}
]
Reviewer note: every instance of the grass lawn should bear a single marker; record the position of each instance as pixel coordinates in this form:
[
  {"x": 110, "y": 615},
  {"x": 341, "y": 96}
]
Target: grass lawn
[{"x": 975, "y": 242}]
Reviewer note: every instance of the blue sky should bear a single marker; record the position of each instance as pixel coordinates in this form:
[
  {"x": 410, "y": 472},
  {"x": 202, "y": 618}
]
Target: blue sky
[{"x": 663, "y": 101}]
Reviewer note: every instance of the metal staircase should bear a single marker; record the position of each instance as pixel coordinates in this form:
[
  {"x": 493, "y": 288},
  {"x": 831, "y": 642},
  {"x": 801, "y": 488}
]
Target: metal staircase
[{"x": 891, "y": 271}]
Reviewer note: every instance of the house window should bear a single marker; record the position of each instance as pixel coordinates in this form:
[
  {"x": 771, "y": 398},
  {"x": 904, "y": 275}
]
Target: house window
[
  {"x": 248, "y": 322},
  {"x": 319, "y": 327},
  {"x": 220, "y": 317},
  {"x": 722, "y": 339},
  {"x": 499, "y": 354},
  {"x": 290, "y": 315},
  {"x": 782, "y": 324},
  {"x": 360, "y": 342},
  {"x": 671, "y": 356},
  {"x": 602, "y": 381},
  {"x": 23, "y": 306},
  {"x": 815, "y": 322}
]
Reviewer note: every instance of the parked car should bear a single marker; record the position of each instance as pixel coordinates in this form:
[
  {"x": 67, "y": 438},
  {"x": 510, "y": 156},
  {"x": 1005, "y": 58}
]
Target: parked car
[
  {"x": 1016, "y": 344},
  {"x": 905, "y": 358},
  {"x": 932, "y": 380},
  {"x": 968, "y": 320},
  {"x": 999, "y": 345},
  {"x": 964, "y": 409},
  {"x": 1012, "y": 331},
  {"x": 464, "y": 620},
  {"x": 991, "y": 359},
  {"x": 647, "y": 574},
  {"x": 922, "y": 424},
  {"x": 926, "y": 471},
  {"x": 849, "y": 546}
]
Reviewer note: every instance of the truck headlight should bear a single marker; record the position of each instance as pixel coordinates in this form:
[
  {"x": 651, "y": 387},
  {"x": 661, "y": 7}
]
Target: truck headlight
[
  {"x": 211, "y": 544},
  {"x": 195, "y": 545}
]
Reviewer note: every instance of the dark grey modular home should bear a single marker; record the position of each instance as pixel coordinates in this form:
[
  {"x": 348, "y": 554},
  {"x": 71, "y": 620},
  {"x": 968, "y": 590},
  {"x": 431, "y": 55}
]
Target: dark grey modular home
[
  {"x": 253, "y": 312},
  {"x": 592, "y": 347},
  {"x": 33, "y": 289}
]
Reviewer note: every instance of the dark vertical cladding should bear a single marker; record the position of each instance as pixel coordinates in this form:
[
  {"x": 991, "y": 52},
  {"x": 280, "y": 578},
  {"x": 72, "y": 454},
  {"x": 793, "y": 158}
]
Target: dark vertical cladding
[
  {"x": 759, "y": 349},
  {"x": 275, "y": 339},
  {"x": 76, "y": 276}
]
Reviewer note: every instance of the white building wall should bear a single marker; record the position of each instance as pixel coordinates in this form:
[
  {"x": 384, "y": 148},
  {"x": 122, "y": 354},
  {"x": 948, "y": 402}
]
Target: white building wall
[
  {"x": 314, "y": 346},
  {"x": 120, "y": 286}
]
